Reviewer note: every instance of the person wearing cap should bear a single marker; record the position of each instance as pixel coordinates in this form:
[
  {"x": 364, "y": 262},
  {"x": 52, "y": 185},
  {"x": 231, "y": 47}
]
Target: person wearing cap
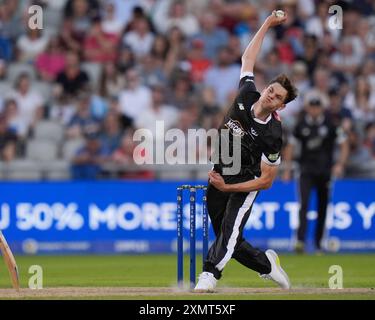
[{"x": 318, "y": 136}]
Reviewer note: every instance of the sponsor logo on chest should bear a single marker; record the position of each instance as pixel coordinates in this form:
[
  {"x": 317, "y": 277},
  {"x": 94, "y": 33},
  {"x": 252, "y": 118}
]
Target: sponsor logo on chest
[{"x": 236, "y": 127}]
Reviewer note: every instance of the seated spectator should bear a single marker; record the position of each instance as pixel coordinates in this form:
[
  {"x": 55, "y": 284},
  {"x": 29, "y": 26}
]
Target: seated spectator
[
  {"x": 8, "y": 141},
  {"x": 210, "y": 110},
  {"x": 361, "y": 101},
  {"x": 29, "y": 102},
  {"x": 77, "y": 22},
  {"x": 86, "y": 163},
  {"x": 62, "y": 110},
  {"x": 182, "y": 90},
  {"x": 339, "y": 114},
  {"x": 140, "y": 39},
  {"x": 51, "y": 62},
  {"x": 30, "y": 45},
  {"x": 110, "y": 23},
  {"x": 224, "y": 69},
  {"x": 198, "y": 63},
  {"x": 160, "y": 47},
  {"x": 369, "y": 141},
  {"x": 135, "y": 100},
  {"x": 111, "y": 81},
  {"x": 111, "y": 133},
  {"x": 169, "y": 14},
  {"x": 72, "y": 79},
  {"x": 126, "y": 59},
  {"x": 14, "y": 121},
  {"x": 100, "y": 46},
  {"x": 346, "y": 59},
  {"x": 126, "y": 155},
  {"x": 152, "y": 71},
  {"x": 211, "y": 35},
  {"x": 11, "y": 27},
  {"x": 83, "y": 123},
  {"x": 159, "y": 111}
]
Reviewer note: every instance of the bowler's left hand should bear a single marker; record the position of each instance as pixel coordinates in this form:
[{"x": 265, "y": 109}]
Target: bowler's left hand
[{"x": 217, "y": 180}]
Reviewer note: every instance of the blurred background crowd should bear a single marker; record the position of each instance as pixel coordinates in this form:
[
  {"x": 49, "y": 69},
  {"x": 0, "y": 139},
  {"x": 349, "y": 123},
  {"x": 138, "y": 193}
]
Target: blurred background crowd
[{"x": 72, "y": 93}]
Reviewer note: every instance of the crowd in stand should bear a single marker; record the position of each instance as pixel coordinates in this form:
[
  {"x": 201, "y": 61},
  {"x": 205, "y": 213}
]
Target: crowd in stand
[{"x": 110, "y": 67}]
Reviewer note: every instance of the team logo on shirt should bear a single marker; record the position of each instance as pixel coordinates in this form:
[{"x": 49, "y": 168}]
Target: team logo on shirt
[
  {"x": 253, "y": 132},
  {"x": 236, "y": 127}
]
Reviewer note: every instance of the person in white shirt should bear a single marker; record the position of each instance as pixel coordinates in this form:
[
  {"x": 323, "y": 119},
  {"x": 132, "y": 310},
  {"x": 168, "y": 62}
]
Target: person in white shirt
[
  {"x": 30, "y": 45},
  {"x": 29, "y": 102},
  {"x": 159, "y": 111},
  {"x": 141, "y": 39},
  {"x": 135, "y": 99}
]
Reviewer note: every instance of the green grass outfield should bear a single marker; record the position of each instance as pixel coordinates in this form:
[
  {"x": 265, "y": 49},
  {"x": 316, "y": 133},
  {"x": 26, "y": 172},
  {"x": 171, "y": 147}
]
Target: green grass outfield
[{"x": 140, "y": 276}]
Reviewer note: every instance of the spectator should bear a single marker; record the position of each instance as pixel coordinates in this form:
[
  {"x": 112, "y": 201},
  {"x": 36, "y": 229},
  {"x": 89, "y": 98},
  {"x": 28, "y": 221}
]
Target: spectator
[
  {"x": 83, "y": 123},
  {"x": 169, "y": 14},
  {"x": 72, "y": 79},
  {"x": 111, "y": 133},
  {"x": 99, "y": 46},
  {"x": 369, "y": 141},
  {"x": 140, "y": 39},
  {"x": 301, "y": 82},
  {"x": 126, "y": 155},
  {"x": 361, "y": 102},
  {"x": 198, "y": 63},
  {"x": 62, "y": 110},
  {"x": 159, "y": 111},
  {"x": 210, "y": 110},
  {"x": 212, "y": 36},
  {"x": 111, "y": 82},
  {"x": 86, "y": 163},
  {"x": 50, "y": 62},
  {"x": 339, "y": 114},
  {"x": 135, "y": 100},
  {"x": 77, "y": 22},
  {"x": 14, "y": 122},
  {"x": 123, "y": 10},
  {"x": 126, "y": 59},
  {"x": 8, "y": 141},
  {"x": 224, "y": 69},
  {"x": 29, "y": 103},
  {"x": 11, "y": 27},
  {"x": 346, "y": 60},
  {"x": 160, "y": 47},
  {"x": 152, "y": 71},
  {"x": 111, "y": 24},
  {"x": 30, "y": 45},
  {"x": 182, "y": 90}
]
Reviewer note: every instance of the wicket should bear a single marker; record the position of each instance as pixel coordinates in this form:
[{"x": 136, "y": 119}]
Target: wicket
[{"x": 180, "y": 239}]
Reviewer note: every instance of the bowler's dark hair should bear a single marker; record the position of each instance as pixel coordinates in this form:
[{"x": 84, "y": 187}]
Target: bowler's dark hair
[{"x": 284, "y": 81}]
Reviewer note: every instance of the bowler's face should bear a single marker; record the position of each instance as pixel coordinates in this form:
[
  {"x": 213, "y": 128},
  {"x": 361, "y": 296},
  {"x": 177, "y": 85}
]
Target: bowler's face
[{"x": 272, "y": 97}]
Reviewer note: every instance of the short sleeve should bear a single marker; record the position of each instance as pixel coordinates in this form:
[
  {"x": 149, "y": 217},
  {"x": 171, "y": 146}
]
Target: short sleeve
[
  {"x": 248, "y": 93},
  {"x": 272, "y": 154}
]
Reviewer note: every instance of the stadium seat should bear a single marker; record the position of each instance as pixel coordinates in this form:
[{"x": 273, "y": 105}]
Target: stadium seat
[
  {"x": 49, "y": 130},
  {"x": 53, "y": 20},
  {"x": 5, "y": 87},
  {"x": 41, "y": 150},
  {"x": 70, "y": 148},
  {"x": 43, "y": 88},
  {"x": 57, "y": 170},
  {"x": 16, "y": 68},
  {"x": 22, "y": 170},
  {"x": 93, "y": 71}
]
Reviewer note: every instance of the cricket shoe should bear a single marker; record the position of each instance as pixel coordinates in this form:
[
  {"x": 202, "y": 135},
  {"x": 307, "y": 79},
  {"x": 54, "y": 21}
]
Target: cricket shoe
[
  {"x": 277, "y": 273},
  {"x": 206, "y": 282}
]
